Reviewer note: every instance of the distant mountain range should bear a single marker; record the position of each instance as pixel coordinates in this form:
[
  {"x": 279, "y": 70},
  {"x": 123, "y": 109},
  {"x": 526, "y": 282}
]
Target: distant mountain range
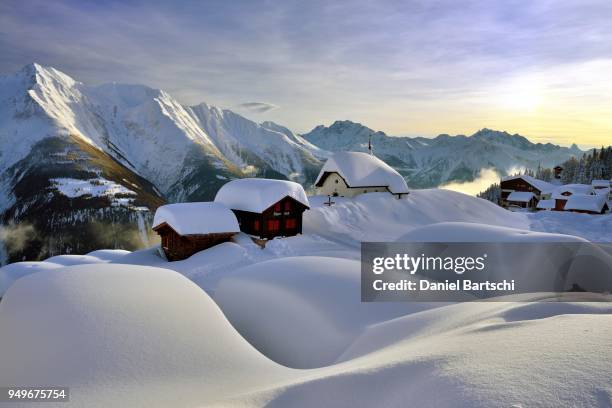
[
  {"x": 431, "y": 162},
  {"x": 84, "y": 167}
]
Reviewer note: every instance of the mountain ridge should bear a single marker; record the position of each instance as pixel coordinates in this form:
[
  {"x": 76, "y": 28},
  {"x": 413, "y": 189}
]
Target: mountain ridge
[{"x": 431, "y": 162}]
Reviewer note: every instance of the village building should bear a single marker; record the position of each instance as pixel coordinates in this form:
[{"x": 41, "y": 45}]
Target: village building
[
  {"x": 524, "y": 184},
  {"x": 587, "y": 203},
  {"x": 602, "y": 187},
  {"x": 562, "y": 193},
  {"x": 265, "y": 208},
  {"x": 347, "y": 174},
  {"x": 522, "y": 199},
  {"x": 187, "y": 228}
]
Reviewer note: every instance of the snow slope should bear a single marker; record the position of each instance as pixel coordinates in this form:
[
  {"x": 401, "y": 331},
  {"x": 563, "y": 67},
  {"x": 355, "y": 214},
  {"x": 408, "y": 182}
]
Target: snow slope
[
  {"x": 159, "y": 350},
  {"x": 125, "y": 336},
  {"x": 126, "y": 330}
]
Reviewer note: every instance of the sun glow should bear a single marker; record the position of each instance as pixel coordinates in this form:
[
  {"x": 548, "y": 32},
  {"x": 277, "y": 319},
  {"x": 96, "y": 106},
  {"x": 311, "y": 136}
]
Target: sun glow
[{"x": 521, "y": 94}]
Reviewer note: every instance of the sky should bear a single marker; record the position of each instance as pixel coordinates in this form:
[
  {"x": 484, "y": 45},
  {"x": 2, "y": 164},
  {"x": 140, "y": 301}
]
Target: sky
[{"x": 539, "y": 68}]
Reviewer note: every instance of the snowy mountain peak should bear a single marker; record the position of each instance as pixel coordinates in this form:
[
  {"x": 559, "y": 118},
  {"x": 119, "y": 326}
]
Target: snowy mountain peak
[{"x": 45, "y": 75}]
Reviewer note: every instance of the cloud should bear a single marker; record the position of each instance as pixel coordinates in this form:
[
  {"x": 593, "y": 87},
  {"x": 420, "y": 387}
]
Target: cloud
[
  {"x": 258, "y": 107},
  {"x": 485, "y": 178},
  {"x": 408, "y": 66}
]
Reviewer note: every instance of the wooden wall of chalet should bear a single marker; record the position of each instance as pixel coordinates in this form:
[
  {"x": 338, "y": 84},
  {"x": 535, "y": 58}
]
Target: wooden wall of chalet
[
  {"x": 178, "y": 247},
  {"x": 283, "y": 219},
  {"x": 518, "y": 184}
]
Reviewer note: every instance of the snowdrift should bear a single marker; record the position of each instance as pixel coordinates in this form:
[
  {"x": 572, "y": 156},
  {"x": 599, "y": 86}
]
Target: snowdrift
[
  {"x": 381, "y": 217},
  {"x": 124, "y": 336},
  {"x": 300, "y": 299}
]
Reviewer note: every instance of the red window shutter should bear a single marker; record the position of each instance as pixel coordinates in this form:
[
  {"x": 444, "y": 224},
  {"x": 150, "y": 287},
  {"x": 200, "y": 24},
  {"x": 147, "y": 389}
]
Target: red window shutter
[
  {"x": 277, "y": 207},
  {"x": 287, "y": 205},
  {"x": 273, "y": 225},
  {"x": 256, "y": 225},
  {"x": 290, "y": 223}
]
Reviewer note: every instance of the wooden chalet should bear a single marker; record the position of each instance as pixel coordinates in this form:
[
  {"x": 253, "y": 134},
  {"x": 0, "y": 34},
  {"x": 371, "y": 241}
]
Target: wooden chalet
[
  {"x": 265, "y": 208},
  {"x": 187, "y": 228},
  {"x": 526, "y": 184}
]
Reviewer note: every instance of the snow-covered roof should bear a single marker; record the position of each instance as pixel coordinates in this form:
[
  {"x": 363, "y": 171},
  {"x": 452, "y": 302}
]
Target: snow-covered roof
[
  {"x": 600, "y": 183},
  {"x": 583, "y": 189},
  {"x": 363, "y": 170},
  {"x": 258, "y": 194},
  {"x": 196, "y": 218},
  {"x": 546, "y": 204},
  {"x": 586, "y": 202},
  {"x": 520, "y": 196},
  {"x": 541, "y": 185}
]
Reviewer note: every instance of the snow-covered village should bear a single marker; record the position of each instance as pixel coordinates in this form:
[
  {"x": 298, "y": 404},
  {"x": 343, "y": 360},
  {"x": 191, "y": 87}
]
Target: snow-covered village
[{"x": 260, "y": 249}]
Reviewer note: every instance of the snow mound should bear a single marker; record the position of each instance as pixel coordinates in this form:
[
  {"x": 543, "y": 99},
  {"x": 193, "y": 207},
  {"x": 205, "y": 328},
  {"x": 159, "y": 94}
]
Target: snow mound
[
  {"x": 10, "y": 273},
  {"x": 196, "y": 218},
  {"x": 124, "y": 335},
  {"x": 471, "y": 232},
  {"x": 363, "y": 170},
  {"x": 257, "y": 194},
  {"x": 379, "y": 217},
  {"x": 300, "y": 299}
]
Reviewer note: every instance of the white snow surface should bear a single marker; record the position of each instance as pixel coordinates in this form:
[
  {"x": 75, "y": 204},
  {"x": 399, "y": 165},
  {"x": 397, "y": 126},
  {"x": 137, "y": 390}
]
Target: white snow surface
[
  {"x": 586, "y": 202},
  {"x": 601, "y": 183},
  {"x": 364, "y": 170},
  {"x": 258, "y": 194},
  {"x": 520, "y": 196},
  {"x": 197, "y": 218},
  {"x": 546, "y": 204},
  {"x": 130, "y": 329}
]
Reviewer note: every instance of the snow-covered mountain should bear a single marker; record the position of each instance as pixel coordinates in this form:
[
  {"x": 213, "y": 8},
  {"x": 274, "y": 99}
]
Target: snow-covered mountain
[
  {"x": 432, "y": 162},
  {"x": 139, "y": 141},
  {"x": 76, "y": 158}
]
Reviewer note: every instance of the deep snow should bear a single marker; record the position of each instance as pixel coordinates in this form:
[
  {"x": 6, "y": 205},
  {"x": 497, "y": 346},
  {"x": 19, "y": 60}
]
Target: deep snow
[{"x": 130, "y": 329}]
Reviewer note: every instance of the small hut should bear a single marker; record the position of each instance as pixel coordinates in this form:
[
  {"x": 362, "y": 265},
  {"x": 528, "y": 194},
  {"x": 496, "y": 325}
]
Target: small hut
[
  {"x": 265, "y": 208},
  {"x": 187, "y": 228}
]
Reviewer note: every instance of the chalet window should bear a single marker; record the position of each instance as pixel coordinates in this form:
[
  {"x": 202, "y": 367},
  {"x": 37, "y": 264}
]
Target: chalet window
[
  {"x": 287, "y": 205},
  {"x": 273, "y": 225},
  {"x": 277, "y": 207},
  {"x": 290, "y": 223},
  {"x": 256, "y": 225},
  {"x": 336, "y": 181}
]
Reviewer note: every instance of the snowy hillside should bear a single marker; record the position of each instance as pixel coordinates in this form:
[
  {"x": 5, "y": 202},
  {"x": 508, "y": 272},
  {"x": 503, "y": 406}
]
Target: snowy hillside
[
  {"x": 433, "y": 162},
  {"x": 145, "y": 129},
  {"x": 230, "y": 325},
  {"x": 61, "y": 140}
]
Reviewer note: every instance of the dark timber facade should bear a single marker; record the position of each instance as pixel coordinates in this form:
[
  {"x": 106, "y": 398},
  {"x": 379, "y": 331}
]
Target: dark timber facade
[
  {"x": 281, "y": 219},
  {"x": 177, "y": 247}
]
